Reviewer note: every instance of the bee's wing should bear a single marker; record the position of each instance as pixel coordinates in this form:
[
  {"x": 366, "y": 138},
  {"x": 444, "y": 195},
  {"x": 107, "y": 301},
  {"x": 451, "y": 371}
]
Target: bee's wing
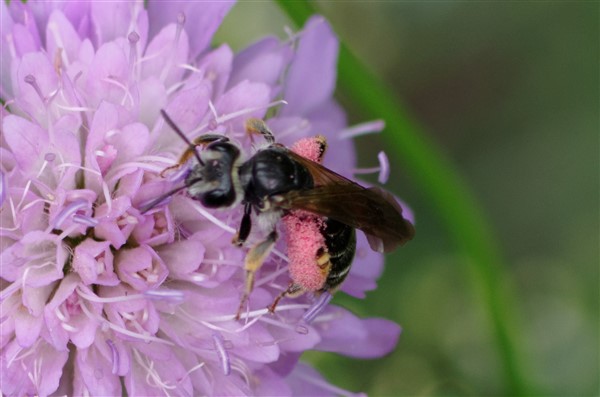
[{"x": 372, "y": 210}]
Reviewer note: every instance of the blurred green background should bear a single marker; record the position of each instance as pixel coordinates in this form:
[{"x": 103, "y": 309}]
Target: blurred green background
[{"x": 510, "y": 93}]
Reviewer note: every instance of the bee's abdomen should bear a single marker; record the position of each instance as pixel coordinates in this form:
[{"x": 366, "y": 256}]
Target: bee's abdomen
[{"x": 340, "y": 240}]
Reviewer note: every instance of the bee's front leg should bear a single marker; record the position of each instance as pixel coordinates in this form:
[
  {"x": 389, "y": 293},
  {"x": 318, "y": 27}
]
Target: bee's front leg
[
  {"x": 245, "y": 226},
  {"x": 254, "y": 260}
]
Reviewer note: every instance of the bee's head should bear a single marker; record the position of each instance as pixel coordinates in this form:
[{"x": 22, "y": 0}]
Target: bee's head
[{"x": 215, "y": 182}]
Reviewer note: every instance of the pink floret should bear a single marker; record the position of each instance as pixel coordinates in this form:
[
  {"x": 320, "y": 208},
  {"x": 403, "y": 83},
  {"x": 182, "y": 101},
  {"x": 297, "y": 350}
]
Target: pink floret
[{"x": 304, "y": 240}]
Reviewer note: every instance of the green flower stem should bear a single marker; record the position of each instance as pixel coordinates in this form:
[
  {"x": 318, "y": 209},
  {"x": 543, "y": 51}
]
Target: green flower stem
[{"x": 440, "y": 181}]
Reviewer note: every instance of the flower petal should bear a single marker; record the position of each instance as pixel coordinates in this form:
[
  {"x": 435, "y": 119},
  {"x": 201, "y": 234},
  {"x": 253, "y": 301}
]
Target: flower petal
[
  {"x": 140, "y": 267},
  {"x": 182, "y": 257},
  {"x": 108, "y": 75},
  {"x": 201, "y": 19},
  {"x": 247, "y": 96},
  {"x": 93, "y": 373},
  {"x": 36, "y": 82},
  {"x": 187, "y": 108},
  {"x": 115, "y": 19},
  {"x": 45, "y": 362},
  {"x": 305, "y": 380},
  {"x": 61, "y": 36},
  {"x": 303, "y": 94},
  {"x": 26, "y": 140},
  {"x": 27, "y": 326},
  {"x": 216, "y": 66},
  {"x": 348, "y": 335},
  {"x": 264, "y": 62},
  {"x": 24, "y": 16},
  {"x": 165, "y": 54}
]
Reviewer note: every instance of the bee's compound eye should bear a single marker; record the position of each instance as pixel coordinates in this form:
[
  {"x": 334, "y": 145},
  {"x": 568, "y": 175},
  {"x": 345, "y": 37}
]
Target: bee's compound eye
[{"x": 218, "y": 198}]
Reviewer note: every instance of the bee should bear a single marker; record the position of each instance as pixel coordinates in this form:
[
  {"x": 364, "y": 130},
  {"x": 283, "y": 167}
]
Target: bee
[{"x": 320, "y": 209}]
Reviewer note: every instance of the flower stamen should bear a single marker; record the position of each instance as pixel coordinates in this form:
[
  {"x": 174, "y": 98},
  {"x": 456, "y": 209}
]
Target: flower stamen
[
  {"x": 30, "y": 79},
  {"x": 316, "y": 308},
  {"x": 142, "y": 336},
  {"x": 153, "y": 379},
  {"x": 383, "y": 169},
  {"x": 229, "y": 116},
  {"x": 126, "y": 93},
  {"x": 240, "y": 367},
  {"x": 221, "y": 352},
  {"x": 369, "y": 127},
  {"x": 115, "y": 356},
  {"x": 194, "y": 368},
  {"x": 85, "y": 220},
  {"x": 171, "y": 56},
  {"x": 69, "y": 328},
  {"x": 133, "y": 39},
  {"x": 69, "y": 210},
  {"x": 163, "y": 294}
]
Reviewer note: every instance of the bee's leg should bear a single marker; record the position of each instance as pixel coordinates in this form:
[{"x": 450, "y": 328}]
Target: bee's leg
[
  {"x": 245, "y": 227},
  {"x": 202, "y": 140},
  {"x": 257, "y": 126},
  {"x": 254, "y": 260},
  {"x": 322, "y": 143},
  {"x": 189, "y": 152},
  {"x": 292, "y": 291}
]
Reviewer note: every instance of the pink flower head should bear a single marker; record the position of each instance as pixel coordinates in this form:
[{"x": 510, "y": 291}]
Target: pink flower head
[{"x": 98, "y": 295}]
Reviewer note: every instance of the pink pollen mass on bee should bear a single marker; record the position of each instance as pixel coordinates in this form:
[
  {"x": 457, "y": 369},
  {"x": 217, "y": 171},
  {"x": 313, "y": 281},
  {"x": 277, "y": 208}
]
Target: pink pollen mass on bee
[{"x": 303, "y": 230}]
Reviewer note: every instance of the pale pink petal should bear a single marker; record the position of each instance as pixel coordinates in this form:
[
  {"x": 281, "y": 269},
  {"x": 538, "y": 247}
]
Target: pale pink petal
[
  {"x": 36, "y": 82},
  {"x": 264, "y": 61},
  {"x": 93, "y": 262},
  {"x": 6, "y": 47},
  {"x": 23, "y": 41},
  {"x": 216, "y": 67},
  {"x": 182, "y": 257},
  {"x": 245, "y": 96},
  {"x": 46, "y": 362},
  {"x": 27, "y": 327},
  {"x": 62, "y": 36},
  {"x": 245, "y": 346},
  {"x": 24, "y": 16},
  {"x": 305, "y": 95},
  {"x": 165, "y": 54},
  {"x": 187, "y": 108},
  {"x": 201, "y": 19},
  {"x": 108, "y": 75},
  {"x": 26, "y": 140},
  {"x": 140, "y": 267},
  {"x": 93, "y": 372},
  {"x": 115, "y": 19},
  {"x": 153, "y": 97},
  {"x": 369, "y": 338}
]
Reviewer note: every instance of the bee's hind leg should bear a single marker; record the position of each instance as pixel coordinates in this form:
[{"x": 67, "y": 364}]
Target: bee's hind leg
[
  {"x": 254, "y": 260},
  {"x": 292, "y": 291}
]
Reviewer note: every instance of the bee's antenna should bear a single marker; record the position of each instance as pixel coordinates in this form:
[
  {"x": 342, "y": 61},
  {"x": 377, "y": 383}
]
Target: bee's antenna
[
  {"x": 161, "y": 198},
  {"x": 181, "y": 135},
  {"x": 147, "y": 207}
]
